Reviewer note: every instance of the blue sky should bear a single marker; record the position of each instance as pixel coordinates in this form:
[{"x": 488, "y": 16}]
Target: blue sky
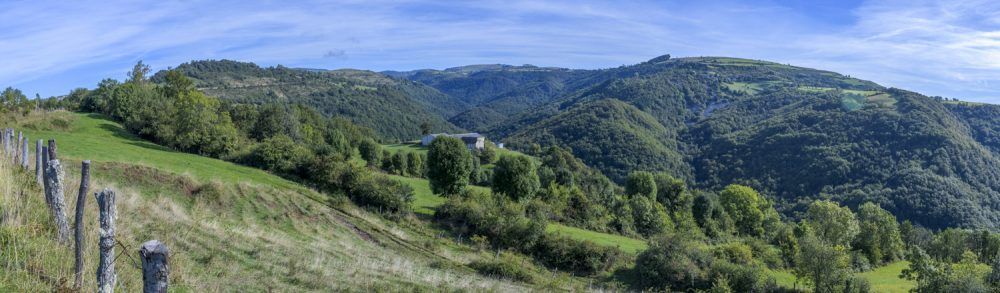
[{"x": 948, "y": 48}]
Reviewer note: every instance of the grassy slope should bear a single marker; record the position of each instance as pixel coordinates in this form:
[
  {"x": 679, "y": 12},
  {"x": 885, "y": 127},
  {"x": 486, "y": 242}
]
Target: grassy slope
[
  {"x": 228, "y": 226},
  {"x": 102, "y": 140},
  {"x": 886, "y": 279},
  {"x": 882, "y": 279}
]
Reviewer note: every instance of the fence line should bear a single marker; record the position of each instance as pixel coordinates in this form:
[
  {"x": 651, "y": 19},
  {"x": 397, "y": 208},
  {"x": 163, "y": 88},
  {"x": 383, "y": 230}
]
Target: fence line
[{"x": 49, "y": 175}]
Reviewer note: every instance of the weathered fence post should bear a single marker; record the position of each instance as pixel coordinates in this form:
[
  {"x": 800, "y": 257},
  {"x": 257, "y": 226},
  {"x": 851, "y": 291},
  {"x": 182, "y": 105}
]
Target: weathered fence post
[
  {"x": 6, "y": 141},
  {"x": 17, "y": 148},
  {"x": 24, "y": 154},
  {"x": 52, "y": 150},
  {"x": 45, "y": 168},
  {"x": 54, "y": 176},
  {"x": 155, "y": 266},
  {"x": 106, "y": 268},
  {"x": 39, "y": 166},
  {"x": 81, "y": 203}
]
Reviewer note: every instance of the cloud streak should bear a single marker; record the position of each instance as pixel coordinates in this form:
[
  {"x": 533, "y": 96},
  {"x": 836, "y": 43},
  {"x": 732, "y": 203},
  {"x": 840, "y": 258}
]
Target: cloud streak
[{"x": 948, "y": 49}]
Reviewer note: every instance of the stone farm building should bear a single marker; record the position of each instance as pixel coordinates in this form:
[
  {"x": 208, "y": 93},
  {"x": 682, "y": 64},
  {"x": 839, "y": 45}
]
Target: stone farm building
[{"x": 471, "y": 140}]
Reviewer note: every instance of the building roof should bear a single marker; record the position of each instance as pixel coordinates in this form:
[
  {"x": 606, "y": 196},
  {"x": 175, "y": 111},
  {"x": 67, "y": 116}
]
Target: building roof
[
  {"x": 467, "y": 138},
  {"x": 470, "y": 139},
  {"x": 472, "y": 134}
]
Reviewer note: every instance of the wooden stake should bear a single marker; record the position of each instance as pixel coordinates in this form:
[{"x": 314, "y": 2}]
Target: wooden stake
[
  {"x": 52, "y": 150},
  {"x": 24, "y": 154},
  {"x": 81, "y": 203},
  {"x": 39, "y": 166},
  {"x": 155, "y": 266},
  {"x": 54, "y": 182},
  {"x": 17, "y": 148},
  {"x": 106, "y": 276}
]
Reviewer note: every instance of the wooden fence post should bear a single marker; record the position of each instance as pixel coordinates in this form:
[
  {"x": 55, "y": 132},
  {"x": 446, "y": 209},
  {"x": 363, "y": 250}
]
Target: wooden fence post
[
  {"x": 24, "y": 154},
  {"x": 52, "y": 150},
  {"x": 155, "y": 266},
  {"x": 106, "y": 268},
  {"x": 39, "y": 166},
  {"x": 45, "y": 168},
  {"x": 6, "y": 140},
  {"x": 54, "y": 182},
  {"x": 17, "y": 148},
  {"x": 81, "y": 203}
]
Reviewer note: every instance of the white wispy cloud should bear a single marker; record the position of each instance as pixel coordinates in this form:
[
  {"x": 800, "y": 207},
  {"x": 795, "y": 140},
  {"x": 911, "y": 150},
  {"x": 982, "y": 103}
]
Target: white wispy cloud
[
  {"x": 950, "y": 49},
  {"x": 943, "y": 48}
]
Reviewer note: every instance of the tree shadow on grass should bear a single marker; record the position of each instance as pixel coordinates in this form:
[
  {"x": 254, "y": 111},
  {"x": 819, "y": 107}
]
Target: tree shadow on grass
[{"x": 130, "y": 138}]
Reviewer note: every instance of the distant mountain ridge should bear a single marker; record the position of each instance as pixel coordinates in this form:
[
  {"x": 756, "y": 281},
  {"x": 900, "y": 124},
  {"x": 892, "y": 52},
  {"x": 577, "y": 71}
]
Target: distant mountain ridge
[
  {"x": 795, "y": 133},
  {"x": 394, "y": 108}
]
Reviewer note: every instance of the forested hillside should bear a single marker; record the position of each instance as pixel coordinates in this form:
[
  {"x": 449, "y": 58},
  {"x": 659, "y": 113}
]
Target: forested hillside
[
  {"x": 394, "y": 108},
  {"x": 793, "y": 132},
  {"x": 497, "y": 91}
]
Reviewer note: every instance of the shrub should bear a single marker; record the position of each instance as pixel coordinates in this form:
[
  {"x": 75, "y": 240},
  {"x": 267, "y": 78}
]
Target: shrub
[
  {"x": 649, "y": 217},
  {"x": 741, "y": 278},
  {"x": 735, "y": 252},
  {"x": 515, "y": 177},
  {"x": 279, "y": 154},
  {"x": 641, "y": 183},
  {"x": 506, "y": 224},
  {"x": 579, "y": 257},
  {"x": 371, "y": 152},
  {"x": 382, "y": 193},
  {"x": 765, "y": 253},
  {"x": 860, "y": 262},
  {"x": 400, "y": 164},
  {"x": 415, "y": 163},
  {"x": 673, "y": 262}
]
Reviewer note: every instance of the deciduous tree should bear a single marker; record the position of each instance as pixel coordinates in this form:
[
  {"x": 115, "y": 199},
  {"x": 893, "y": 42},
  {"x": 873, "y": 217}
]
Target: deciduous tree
[
  {"x": 448, "y": 165},
  {"x": 515, "y": 176}
]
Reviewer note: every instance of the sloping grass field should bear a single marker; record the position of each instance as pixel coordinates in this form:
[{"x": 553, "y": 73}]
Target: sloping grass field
[{"x": 227, "y": 226}]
